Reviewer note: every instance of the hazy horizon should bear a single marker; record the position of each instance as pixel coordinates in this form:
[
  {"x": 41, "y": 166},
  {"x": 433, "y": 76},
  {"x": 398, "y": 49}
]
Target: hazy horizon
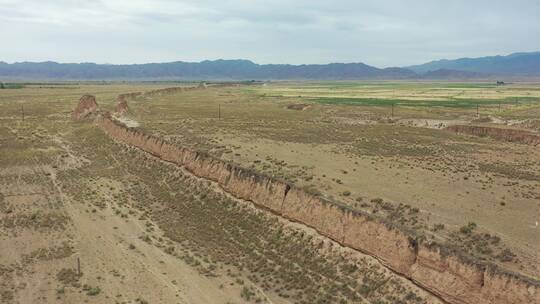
[{"x": 384, "y": 34}]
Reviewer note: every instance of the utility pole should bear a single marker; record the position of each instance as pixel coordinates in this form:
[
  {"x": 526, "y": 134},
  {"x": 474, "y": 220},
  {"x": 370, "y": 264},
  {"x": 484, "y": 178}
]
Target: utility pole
[
  {"x": 477, "y": 113},
  {"x": 22, "y": 112},
  {"x": 78, "y": 266},
  {"x": 219, "y": 111},
  {"x": 392, "y": 110}
]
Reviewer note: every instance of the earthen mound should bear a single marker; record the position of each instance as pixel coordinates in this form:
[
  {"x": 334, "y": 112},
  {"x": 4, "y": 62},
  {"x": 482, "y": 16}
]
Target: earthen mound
[
  {"x": 298, "y": 106},
  {"x": 86, "y": 106}
]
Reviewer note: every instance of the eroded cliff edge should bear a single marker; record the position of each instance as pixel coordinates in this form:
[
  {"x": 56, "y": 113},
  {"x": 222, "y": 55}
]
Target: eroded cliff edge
[{"x": 446, "y": 273}]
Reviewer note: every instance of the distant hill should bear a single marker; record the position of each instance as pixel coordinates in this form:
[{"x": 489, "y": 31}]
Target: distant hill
[
  {"x": 517, "y": 64},
  {"x": 453, "y": 74},
  {"x": 208, "y": 70}
]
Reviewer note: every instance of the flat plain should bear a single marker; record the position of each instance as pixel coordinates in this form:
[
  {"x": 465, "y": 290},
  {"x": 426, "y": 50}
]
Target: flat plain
[{"x": 146, "y": 232}]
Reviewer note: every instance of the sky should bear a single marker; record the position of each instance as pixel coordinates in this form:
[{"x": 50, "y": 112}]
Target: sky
[{"x": 382, "y": 33}]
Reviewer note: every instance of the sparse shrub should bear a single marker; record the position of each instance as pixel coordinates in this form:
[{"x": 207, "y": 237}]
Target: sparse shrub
[
  {"x": 364, "y": 290},
  {"x": 387, "y": 206},
  {"x": 506, "y": 255},
  {"x": 468, "y": 229},
  {"x": 495, "y": 240},
  {"x": 411, "y": 296},
  {"x": 169, "y": 250},
  {"x": 146, "y": 238},
  {"x": 438, "y": 227},
  {"x": 92, "y": 291},
  {"x": 377, "y": 200},
  {"x": 247, "y": 294},
  {"x": 68, "y": 276}
]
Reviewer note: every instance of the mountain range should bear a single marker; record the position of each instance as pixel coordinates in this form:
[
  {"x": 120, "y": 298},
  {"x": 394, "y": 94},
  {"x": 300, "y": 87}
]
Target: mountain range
[
  {"x": 515, "y": 65},
  {"x": 521, "y": 64}
]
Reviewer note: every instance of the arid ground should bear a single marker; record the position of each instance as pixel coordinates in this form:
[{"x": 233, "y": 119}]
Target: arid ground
[{"x": 147, "y": 231}]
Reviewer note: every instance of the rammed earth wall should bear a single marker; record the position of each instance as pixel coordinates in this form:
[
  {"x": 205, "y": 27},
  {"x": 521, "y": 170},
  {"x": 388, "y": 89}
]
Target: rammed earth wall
[{"x": 510, "y": 135}]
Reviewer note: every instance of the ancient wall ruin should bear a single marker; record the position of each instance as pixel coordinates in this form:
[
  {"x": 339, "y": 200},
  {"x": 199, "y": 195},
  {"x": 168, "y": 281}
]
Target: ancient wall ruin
[
  {"x": 503, "y": 134},
  {"x": 122, "y": 99},
  {"x": 431, "y": 266},
  {"x": 86, "y": 106}
]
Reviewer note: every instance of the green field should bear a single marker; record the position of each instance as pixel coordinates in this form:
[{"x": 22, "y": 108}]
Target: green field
[{"x": 451, "y": 95}]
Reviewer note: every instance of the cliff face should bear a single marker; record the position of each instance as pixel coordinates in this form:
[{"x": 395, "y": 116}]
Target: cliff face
[
  {"x": 442, "y": 273},
  {"x": 510, "y": 135}
]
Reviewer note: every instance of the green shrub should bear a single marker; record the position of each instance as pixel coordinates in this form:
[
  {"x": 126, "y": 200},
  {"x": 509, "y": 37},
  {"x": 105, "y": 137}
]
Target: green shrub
[{"x": 91, "y": 291}]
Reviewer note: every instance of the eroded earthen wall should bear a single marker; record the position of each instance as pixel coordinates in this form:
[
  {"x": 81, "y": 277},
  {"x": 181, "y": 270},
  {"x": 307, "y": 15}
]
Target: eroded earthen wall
[
  {"x": 510, "y": 135},
  {"x": 86, "y": 106}
]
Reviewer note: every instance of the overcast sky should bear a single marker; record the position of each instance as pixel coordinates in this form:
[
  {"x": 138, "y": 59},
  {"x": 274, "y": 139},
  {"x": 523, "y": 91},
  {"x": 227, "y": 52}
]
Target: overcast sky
[{"x": 376, "y": 32}]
